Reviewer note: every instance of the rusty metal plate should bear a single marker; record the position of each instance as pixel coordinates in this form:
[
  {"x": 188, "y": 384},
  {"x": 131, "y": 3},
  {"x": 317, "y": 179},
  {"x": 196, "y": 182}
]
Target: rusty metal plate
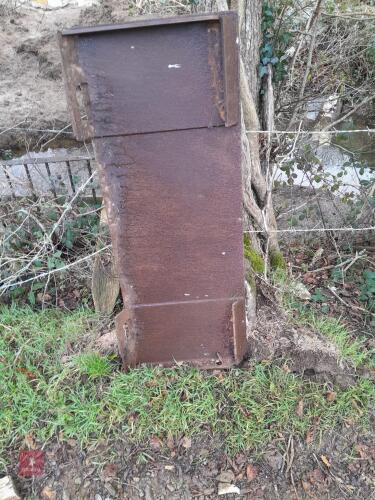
[
  {"x": 199, "y": 332},
  {"x": 167, "y": 142},
  {"x": 166, "y": 76}
]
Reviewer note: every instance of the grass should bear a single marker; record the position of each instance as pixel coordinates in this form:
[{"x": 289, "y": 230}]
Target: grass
[{"x": 47, "y": 390}]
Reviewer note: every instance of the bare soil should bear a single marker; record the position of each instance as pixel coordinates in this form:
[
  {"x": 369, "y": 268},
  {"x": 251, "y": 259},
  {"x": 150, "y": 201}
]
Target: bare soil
[
  {"x": 31, "y": 88},
  {"x": 339, "y": 467}
]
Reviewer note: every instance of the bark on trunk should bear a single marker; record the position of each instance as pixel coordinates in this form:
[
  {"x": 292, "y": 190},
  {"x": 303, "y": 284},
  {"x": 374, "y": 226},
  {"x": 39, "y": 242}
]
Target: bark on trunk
[{"x": 257, "y": 171}]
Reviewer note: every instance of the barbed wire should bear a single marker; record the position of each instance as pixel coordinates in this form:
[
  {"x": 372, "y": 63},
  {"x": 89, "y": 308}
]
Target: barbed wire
[
  {"x": 7, "y": 284},
  {"x": 312, "y": 132},
  {"x": 312, "y": 230},
  {"x": 88, "y": 257},
  {"x": 49, "y": 130},
  {"x": 54, "y": 271},
  {"x": 284, "y": 132}
]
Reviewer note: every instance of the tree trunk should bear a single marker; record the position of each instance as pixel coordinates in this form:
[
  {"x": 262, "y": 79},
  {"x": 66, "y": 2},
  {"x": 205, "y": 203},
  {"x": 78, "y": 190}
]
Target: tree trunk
[
  {"x": 105, "y": 285},
  {"x": 257, "y": 114}
]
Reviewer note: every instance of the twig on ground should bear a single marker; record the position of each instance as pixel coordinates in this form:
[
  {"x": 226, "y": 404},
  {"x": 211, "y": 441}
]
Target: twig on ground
[
  {"x": 352, "y": 306},
  {"x": 350, "y": 261}
]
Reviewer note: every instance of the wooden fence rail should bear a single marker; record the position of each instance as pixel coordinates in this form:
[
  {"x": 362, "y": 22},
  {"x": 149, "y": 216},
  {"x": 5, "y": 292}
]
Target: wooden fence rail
[{"x": 54, "y": 176}]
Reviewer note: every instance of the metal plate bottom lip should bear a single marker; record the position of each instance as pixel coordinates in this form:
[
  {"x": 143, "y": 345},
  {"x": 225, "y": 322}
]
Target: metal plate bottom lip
[
  {"x": 215, "y": 360},
  {"x": 201, "y": 363}
]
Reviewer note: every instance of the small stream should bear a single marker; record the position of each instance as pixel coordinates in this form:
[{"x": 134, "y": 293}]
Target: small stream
[{"x": 350, "y": 156}]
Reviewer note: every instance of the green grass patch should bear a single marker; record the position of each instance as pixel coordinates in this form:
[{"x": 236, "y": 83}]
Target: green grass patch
[
  {"x": 93, "y": 365},
  {"x": 49, "y": 390}
]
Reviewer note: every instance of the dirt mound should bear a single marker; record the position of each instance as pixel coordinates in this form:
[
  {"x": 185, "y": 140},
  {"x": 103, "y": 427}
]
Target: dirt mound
[
  {"x": 32, "y": 93},
  {"x": 305, "y": 351},
  {"x": 31, "y": 90}
]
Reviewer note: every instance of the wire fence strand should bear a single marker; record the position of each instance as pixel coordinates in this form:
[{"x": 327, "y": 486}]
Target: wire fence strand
[
  {"x": 312, "y": 132},
  {"x": 278, "y": 132},
  {"x": 312, "y": 230}
]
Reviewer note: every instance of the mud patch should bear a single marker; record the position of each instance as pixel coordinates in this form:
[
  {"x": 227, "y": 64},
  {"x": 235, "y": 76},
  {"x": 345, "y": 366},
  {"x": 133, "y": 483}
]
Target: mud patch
[{"x": 288, "y": 469}]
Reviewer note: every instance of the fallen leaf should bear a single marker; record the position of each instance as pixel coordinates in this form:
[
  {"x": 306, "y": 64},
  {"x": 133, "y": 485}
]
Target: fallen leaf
[
  {"x": 226, "y": 476},
  {"x": 353, "y": 467},
  {"x": 43, "y": 297},
  {"x": 109, "y": 471},
  {"x": 309, "y": 436},
  {"x": 226, "y": 489},
  {"x": 186, "y": 442},
  {"x": 325, "y": 460},
  {"x": 317, "y": 256},
  {"x": 48, "y": 493},
  {"x": 30, "y": 375},
  {"x": 306, "y": 486},
  {"x": 310, "y": 278},
  {"x": 251, "y": 472},
  {"x": 331, "y": 396},
  {"x": 240, "y": 459},
  {"x": 361, "y": 449},
  {"x": 219, "y": 375},
  {"x": 316, "y": 476},
  {"x": 300, "y": 257},
  {"x": 244, "y": 412},
  {"x": 299, "y": 409},
  {"x": 156, "y": 443},
  {"x": 30, "y": 441},
  {"x": 170, "y": 442}
]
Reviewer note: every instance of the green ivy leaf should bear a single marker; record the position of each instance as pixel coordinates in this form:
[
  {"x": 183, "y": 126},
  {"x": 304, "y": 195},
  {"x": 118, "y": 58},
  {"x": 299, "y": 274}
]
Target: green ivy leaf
[{"x": 31, "y": 297}]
